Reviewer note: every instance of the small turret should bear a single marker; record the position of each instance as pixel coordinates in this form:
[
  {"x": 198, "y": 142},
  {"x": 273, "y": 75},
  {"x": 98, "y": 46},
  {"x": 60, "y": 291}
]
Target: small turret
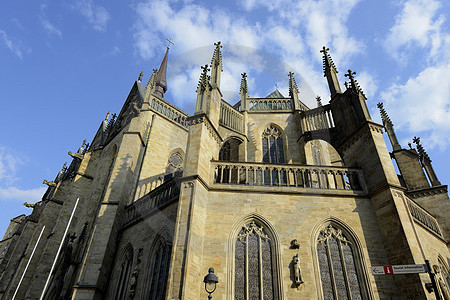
[
  {"x": 330, "y": 72},
  {"x": 426, "y": 163},
  {"x": 293, "y": 91},
  {"x": 216, "y": 66},
  {"x": 203, "y": 88},
  {"x": 389, "y": 127},
  {"x": 244, "y": 92}
]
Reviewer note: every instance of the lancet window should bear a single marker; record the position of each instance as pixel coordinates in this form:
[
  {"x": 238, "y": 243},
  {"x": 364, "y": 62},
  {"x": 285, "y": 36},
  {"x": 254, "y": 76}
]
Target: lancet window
[
  {"x": 124, "y": 274},
  {"x": 272, "y": 145},
  {"x": 174, "y": 166},
  {"x": 254, "y": 276},
  {"x": 160, "y": 271},
  {"x": 338, "y": 265}
]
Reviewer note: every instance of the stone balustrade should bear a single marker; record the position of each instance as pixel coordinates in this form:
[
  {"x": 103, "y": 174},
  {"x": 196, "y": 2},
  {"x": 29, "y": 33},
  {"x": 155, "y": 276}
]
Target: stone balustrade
[
  {"x": 151, "y": 201},
  {"x": 231, "y": 118},
  {"x": 423, "y": 217},
  {"x": 317, "y": 119},
  {"x": 169, "y": 111},
  {"x": 289, "y": 175},
  {"x": 265, "y": 104}
]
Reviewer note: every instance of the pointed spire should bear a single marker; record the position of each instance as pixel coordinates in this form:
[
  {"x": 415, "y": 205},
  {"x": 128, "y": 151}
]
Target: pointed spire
[
  {"x": 244, "y": 92},
  {"x": 319, "y": 101},
  {"x": 160, "y": 80},
  {"x": 384, "y": 116},
  {"x": 140, "y": 76},
  {"x": 330, "y": 71},
  {"x": 426, "y": 163},
  {"x": 216, "y": 65},
  {"x": 420, "y": 149},
  {"x": 354, "y": 85},
  {"x": 389, "y": 127},
  {"x": 204, "y": 78},
  {"x": 293, "y": 88}
]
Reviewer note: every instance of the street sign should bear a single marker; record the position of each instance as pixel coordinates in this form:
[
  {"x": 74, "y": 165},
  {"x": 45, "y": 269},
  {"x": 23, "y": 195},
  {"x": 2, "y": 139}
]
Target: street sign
[{"x": 399, "y": 269}]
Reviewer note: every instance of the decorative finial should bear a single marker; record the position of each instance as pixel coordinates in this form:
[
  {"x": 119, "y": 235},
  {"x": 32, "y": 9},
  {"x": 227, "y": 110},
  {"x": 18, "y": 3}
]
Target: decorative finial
[
  {"x": 410, "y": 146},
  {"x": 244, "y": 86},
  {"x": 64, "y": 167},
  {"x": 169, "y": 42},
  {"x": 276, "y": 86},
  {"x": 84, "y": 144},
  {"x": 319, "y": 101},
  {"x": 107, "y": 116},
  {"x": 140, "y": 76},
  {"x": 327, "y": 61},
  {"x": 350, "y": 75},
  {"x": 218, "y": 44},
  {"x": 204, "y": 76},
  {"x": 353, "y": 83},
  {"x": 346, "y": 84}
]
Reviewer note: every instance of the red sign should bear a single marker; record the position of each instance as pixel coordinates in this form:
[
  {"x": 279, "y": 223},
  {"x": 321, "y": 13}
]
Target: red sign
[{"x": 388, "y": 270}]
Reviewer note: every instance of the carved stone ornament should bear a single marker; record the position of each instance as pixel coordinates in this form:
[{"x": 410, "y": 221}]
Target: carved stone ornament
[
  {"x": 295, "y": 244},
  {"x": 133, "y": 282},
  {"x": 29, "y": 205},
  {"x": 331, "y": 232},
  {"x": 252, "y": 228},
  {"x": 49, "y": 183}
]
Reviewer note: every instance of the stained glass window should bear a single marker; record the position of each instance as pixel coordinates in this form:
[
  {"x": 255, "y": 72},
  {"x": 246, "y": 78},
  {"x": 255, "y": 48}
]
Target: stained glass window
[
  {"x": 272, "y": 145},
  {"x": 160, "y": 271},
  {"x": 254, "y": 277},
  {"x": 174, "y": 166},
  {"x": 338, "y": 269},
  {"x": 124, "y": 274}
]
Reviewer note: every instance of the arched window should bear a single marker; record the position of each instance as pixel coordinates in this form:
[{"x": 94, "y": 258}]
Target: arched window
[
  {"x": 339, "y": 267},
  {"x": 159, "y": 274},
  {"x": 124, "y": 273},
  {"x": 272, "y": 145},
  {"x": 174, "y": 166},
  {"x": 254, "y": 267}
]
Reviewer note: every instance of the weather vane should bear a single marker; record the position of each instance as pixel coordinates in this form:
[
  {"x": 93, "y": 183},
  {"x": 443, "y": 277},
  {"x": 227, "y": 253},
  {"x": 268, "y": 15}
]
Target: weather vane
[{"x": 170, "y": 42}]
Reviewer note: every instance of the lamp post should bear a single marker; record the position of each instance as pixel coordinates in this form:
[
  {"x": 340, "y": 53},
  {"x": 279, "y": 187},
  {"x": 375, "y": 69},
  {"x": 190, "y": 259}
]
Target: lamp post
[{"x": 210, "y": 281}]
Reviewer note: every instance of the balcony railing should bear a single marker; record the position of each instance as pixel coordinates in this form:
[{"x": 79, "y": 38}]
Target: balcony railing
[
  {"x": 156, "y": 198},
  {"x": 288, "y": 175},
  {"x": 266, "y": 104},
  {"x": 231, "y": 118},
  {"x": 317, "y": 119},
  {"x": 423, "y": 217},
  {"x": 169, "y": 111}
]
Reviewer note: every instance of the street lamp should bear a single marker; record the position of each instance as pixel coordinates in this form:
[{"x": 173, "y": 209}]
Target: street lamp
[{"x": 210, "y": 281}]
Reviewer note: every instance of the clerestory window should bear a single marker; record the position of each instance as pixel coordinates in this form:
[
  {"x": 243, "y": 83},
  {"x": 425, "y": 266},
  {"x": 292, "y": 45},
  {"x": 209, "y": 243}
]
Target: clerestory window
[{"x": 272, "y": 145}]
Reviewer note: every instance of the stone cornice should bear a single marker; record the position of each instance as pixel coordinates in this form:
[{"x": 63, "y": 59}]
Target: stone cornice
[
  {"x": 203, "y": 118},
  {"x": 429, "y": 191}
]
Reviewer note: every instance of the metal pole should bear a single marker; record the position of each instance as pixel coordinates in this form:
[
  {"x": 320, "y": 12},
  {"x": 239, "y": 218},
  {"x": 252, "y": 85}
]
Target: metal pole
[
  {"x": 433, "y": 280},
  {"x": 28, "y": 263},
  {"x": 59, "y": 250}
]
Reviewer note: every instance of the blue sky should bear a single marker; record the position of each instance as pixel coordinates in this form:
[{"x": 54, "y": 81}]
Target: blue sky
[{"x": 65, "y": 64}]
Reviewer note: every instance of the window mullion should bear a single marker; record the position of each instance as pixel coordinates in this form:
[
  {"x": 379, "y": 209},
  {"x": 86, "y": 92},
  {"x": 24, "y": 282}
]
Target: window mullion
[
  {"x": 330, "y": 264},
  {"x": 260, "y": 269},
  {"x": 246, "y": 268},
  {"x": 344, "y": 268}
]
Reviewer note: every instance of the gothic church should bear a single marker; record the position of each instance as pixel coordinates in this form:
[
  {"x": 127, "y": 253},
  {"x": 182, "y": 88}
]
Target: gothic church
[{"x": 284, "y": 201}]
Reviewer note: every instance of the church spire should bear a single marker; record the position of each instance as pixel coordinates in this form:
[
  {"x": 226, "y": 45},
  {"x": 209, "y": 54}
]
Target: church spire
[
  {"x": 244, "y": 91},
  {"x": 389, "y": 127},
  {"x": 330, "y": 72},
  {"x": 216, "y": 65},
  {"x": 160, "y": 80},
  {"x": 426, "y": 162}
]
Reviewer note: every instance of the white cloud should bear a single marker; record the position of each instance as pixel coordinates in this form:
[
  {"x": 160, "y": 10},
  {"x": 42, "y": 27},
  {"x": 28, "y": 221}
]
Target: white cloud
[
  {"x": 49, "y": 27},
  {"x": 422, "y": 105},
  {"x": 96, "y": 14},
  {"x": 9, "y": 162},
  {"x": 13, "y": 45},
  {"x": 367, "y": 83},
  {"x": 15, "y": 194},
  {"x": 416, "y": 25}
]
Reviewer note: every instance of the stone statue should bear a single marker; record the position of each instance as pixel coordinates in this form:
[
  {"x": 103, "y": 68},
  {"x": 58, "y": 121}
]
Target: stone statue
[
  {"x": 29, "y": 205},
  {"x": 297, "y": 272}
]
